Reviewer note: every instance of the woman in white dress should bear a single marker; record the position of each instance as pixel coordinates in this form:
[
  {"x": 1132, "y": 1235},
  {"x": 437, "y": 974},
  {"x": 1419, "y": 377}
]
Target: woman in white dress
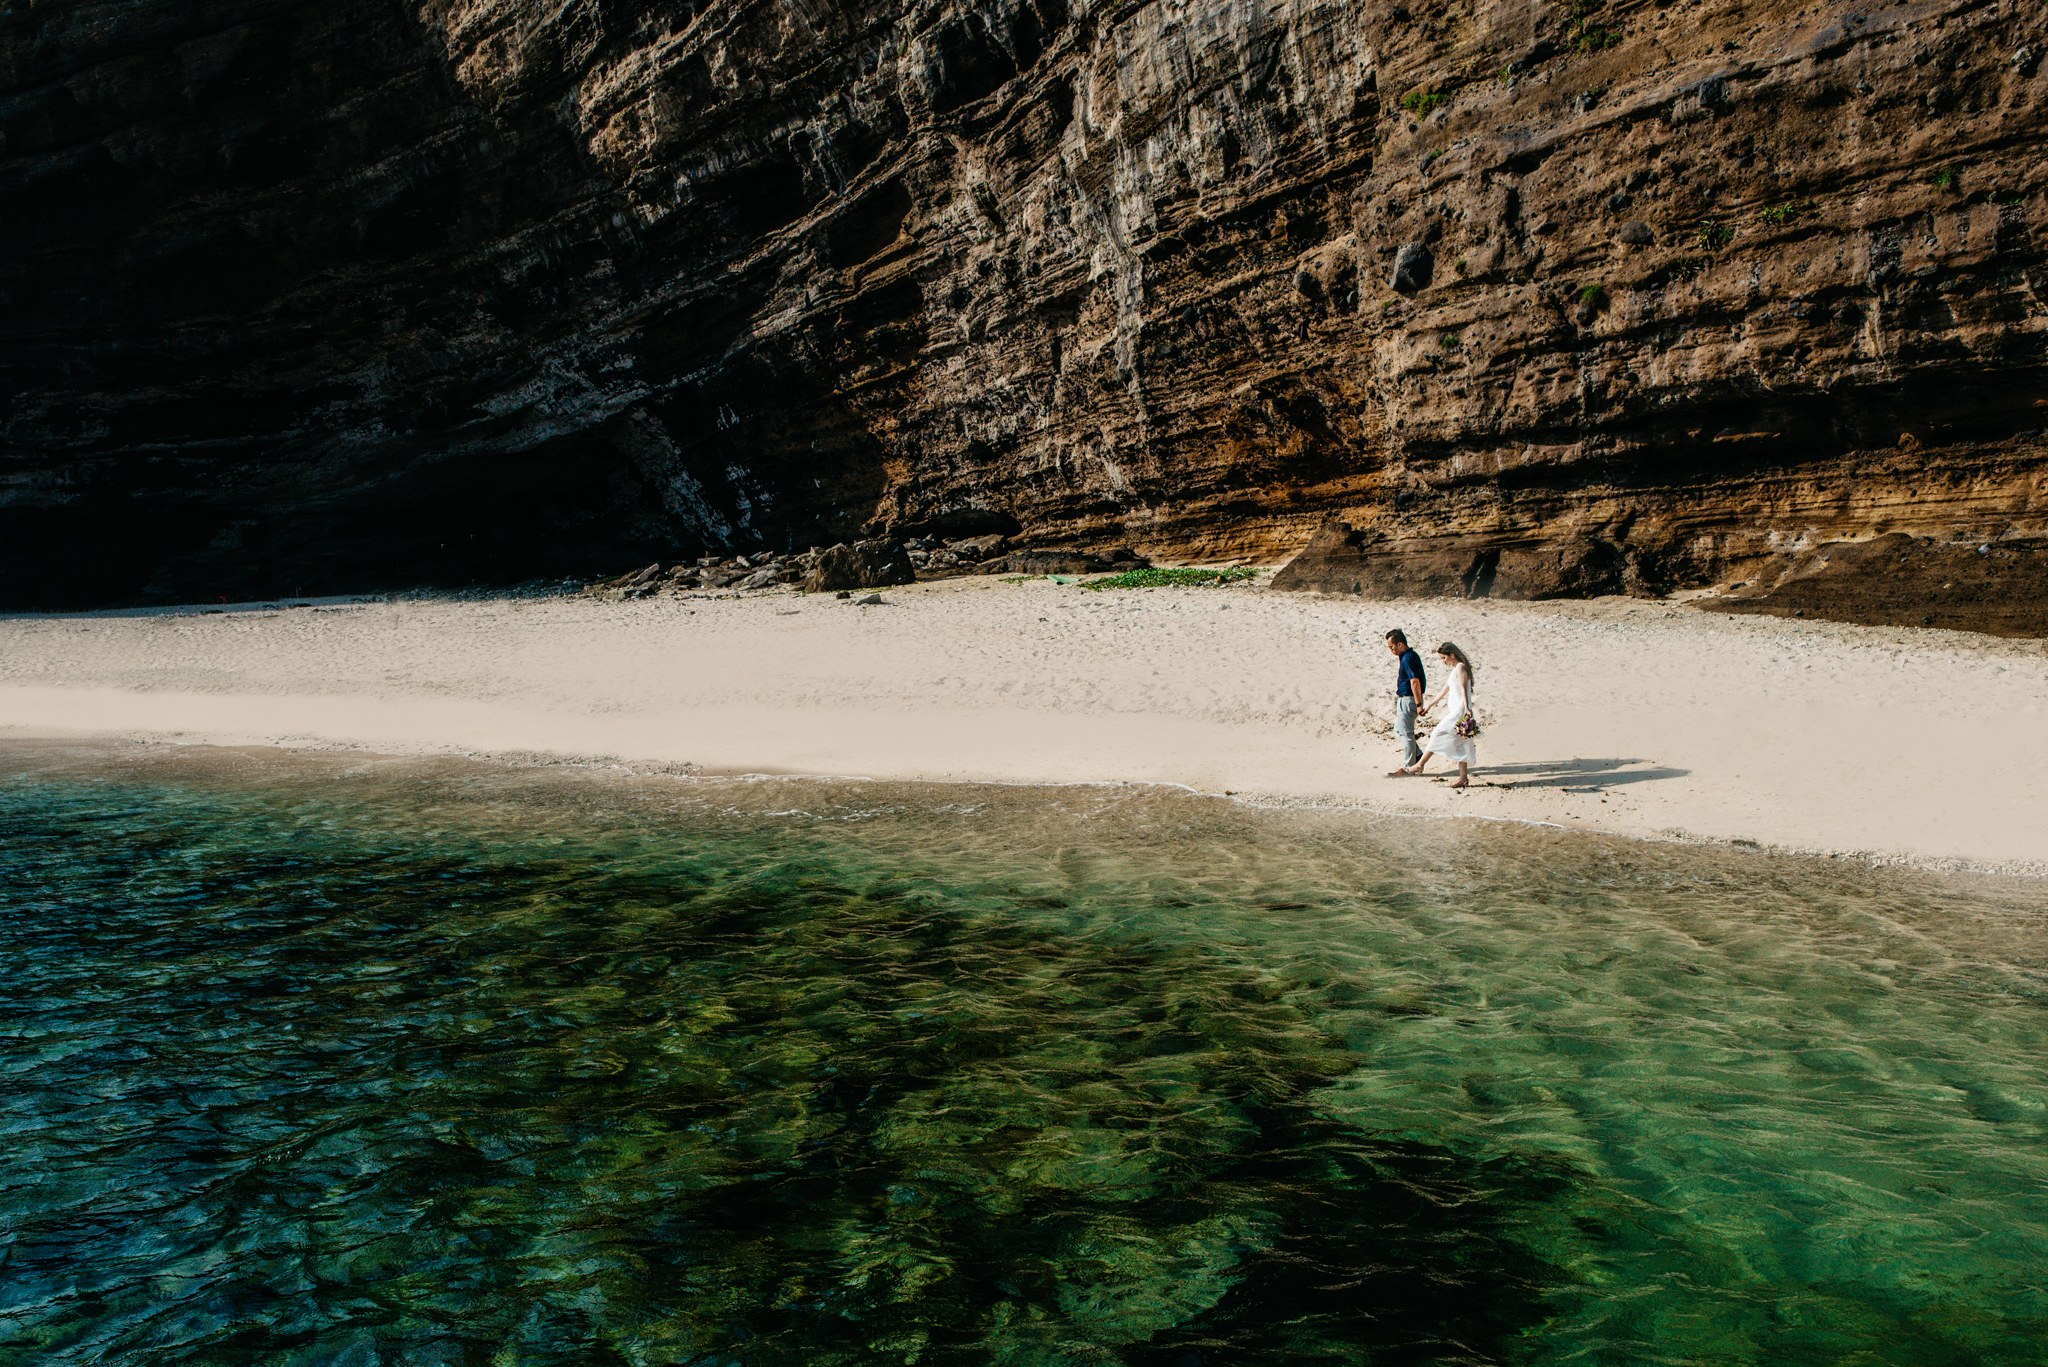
[{"x": 1456, "y": 694}]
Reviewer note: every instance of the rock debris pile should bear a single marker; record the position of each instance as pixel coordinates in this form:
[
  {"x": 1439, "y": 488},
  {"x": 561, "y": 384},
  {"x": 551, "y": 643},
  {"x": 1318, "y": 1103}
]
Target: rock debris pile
[{"x": 871, "y": 564}]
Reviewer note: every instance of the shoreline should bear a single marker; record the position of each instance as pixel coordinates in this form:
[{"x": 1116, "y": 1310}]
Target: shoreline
[
  {"x": 2021, "y": 870},
  {"x": 1654, "y": 711}
]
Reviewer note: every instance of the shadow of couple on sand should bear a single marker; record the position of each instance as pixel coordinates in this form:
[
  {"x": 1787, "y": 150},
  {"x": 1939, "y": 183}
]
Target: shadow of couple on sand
[{"x": 1573, "y": 775}]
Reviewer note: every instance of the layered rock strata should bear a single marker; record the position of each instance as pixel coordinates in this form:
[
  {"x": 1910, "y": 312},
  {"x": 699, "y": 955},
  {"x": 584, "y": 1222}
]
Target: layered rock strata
[{"x": 330, "y": 295}]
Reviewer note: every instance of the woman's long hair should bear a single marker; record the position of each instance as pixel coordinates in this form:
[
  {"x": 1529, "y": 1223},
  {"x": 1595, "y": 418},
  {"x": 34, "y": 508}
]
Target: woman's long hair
[{"x": 1450, "y": 648}]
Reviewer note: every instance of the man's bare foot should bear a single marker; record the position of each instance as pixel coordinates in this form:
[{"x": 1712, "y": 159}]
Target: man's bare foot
[{"x": 1396, "y": 773}]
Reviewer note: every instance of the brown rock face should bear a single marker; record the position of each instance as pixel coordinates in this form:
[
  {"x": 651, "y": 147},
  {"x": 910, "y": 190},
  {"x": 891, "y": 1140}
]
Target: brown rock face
[
  {"x": 1342, "y": 559},
  {"x": 1903, "y": 581},
  {"x": 863, "y": 565},
  {"x": 1624, "y": 297}
]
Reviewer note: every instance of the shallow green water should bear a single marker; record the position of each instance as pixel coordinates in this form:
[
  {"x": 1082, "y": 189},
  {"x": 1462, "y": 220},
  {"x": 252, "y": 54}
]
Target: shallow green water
[{"x": 306, "y": 1061}]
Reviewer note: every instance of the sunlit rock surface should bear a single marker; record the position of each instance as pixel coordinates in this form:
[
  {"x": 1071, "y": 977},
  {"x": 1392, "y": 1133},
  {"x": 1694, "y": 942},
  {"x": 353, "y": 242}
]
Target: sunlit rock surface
[{"x": 354, "y": 294}]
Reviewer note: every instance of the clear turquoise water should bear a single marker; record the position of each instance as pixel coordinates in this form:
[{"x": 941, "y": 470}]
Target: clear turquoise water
[{"x": 326, "y": 1062}]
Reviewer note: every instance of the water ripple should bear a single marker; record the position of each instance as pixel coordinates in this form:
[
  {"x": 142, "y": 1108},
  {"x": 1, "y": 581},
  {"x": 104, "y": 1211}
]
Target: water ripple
[{"x": 430, "y": 1064}]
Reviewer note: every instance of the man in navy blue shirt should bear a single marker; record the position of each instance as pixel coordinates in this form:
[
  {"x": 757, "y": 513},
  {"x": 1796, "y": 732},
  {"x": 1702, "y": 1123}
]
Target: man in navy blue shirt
[{"x": 1408, "y": 686}]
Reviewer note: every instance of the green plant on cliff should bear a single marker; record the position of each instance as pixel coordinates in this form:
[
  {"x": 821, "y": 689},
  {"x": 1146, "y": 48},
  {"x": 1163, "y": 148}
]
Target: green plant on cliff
[
  {"x": 1945, "y": 179},
  {"x": 1583, "y": 34},
  {"x": 1592, "y": 294},
  {"x": 1450, "y": 341},
  {"x": 1780, "y": 214},
  {"x": 1420, "y": 103},
  {"x": 1713, "y": 235}
]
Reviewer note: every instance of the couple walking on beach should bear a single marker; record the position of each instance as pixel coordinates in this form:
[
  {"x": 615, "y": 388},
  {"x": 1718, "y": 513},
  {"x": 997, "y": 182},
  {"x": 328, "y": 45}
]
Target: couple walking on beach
[{"x": 1456, "y": 736}]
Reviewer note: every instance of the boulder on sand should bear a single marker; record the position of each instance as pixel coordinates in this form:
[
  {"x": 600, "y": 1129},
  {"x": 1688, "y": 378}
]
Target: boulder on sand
[
  {"x": 863, "y": 565},
  {"x": 636, "y": 584},
  {"x": 979, "y": 547}
]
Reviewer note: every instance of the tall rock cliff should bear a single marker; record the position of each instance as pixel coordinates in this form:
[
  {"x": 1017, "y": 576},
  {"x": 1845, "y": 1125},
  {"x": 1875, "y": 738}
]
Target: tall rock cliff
[{"x": 1538, "y": 298}]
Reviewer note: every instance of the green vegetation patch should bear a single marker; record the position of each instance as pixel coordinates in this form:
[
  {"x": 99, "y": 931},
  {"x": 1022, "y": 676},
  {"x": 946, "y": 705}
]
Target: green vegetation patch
[
  {"x": 1713, "y": 235},
  {"x": 1420, "y": 103},
  {"x": 1584, "y": 33},
  {"x": 1162, "y": 579},
  {"x": 1780, "y": 214}
]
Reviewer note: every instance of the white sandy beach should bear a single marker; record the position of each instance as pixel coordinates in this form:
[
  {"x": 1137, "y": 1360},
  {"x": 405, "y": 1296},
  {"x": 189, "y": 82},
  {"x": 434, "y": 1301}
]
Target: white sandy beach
[{"x": 1644, "y": 718}]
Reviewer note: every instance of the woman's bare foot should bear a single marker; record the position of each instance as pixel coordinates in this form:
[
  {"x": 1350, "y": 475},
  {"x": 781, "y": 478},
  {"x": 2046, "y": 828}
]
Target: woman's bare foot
[
  {"x": 1462, "y": 783},
  {"x": 1396, "y": 773}
]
